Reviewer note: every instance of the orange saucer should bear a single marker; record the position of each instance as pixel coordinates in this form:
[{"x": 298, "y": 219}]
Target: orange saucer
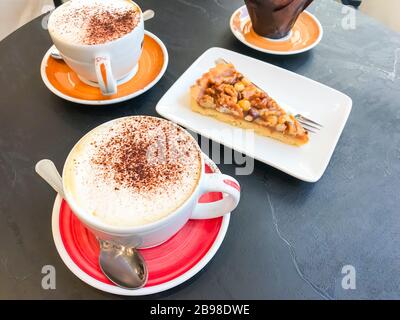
[
  {"x": 65, "y": 83},
  {"x": 305, "y": 34}
]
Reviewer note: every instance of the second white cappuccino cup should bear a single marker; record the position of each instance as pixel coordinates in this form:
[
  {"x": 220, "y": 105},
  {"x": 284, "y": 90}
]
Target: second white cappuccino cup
[
  {"x": 105, "y": 63},
  {"x": 161, "y": 229}
]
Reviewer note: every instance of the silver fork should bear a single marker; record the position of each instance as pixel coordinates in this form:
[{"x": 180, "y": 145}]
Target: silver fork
[{"x": 308, "y": 124}]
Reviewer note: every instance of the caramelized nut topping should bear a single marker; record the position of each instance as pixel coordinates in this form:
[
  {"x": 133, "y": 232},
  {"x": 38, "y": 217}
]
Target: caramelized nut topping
[
  {"x": 239, "y": 86},
  {"x": 245, "y": 104},
  {"x": 254, "y": 113},
  {"x": 228, "y": 91}
]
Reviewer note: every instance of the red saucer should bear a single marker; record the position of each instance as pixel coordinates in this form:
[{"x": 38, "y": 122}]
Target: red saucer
[{"x": 165, "y": 262}]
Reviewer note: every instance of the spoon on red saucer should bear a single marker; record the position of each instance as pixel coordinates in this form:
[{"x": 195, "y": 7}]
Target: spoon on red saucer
[{"x": 123, "y": 266}]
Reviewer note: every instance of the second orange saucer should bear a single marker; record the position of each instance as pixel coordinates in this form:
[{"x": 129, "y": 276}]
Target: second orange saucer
[
  {"x": 305, "y": 34},
  {"x": 65, "y": 83}
]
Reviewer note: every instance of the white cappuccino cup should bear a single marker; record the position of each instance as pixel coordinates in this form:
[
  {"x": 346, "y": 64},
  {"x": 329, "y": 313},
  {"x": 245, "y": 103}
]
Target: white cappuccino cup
[
  {"x": 119, "y": 184},
  {"x": 99, "y": 54}
]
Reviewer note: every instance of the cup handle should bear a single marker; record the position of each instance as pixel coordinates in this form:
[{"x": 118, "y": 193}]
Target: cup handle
[
  {"x": 218, "y": 182},
  {"x": 105, "y": 79}
]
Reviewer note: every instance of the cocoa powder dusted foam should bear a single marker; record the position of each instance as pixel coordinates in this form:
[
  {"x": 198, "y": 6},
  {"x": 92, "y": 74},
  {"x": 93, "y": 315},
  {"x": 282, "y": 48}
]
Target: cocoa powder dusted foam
[
  {"x": 94, "y": 21},
  {"x": 134, "y": 171}
]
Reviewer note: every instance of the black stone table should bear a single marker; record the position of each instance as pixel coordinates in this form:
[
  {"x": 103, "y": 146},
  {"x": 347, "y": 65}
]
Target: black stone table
[{"x": 287, "y": 239}]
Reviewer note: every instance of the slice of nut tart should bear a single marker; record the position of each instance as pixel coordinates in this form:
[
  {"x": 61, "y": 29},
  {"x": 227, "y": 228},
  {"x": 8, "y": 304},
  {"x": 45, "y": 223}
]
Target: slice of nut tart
[{"x": 225, "y": 94}]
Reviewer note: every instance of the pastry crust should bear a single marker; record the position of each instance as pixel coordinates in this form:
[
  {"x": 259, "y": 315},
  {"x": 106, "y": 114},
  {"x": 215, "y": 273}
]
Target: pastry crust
[
  {"x": 238, "y": 119},
  {"x": 241, "y": 123}
]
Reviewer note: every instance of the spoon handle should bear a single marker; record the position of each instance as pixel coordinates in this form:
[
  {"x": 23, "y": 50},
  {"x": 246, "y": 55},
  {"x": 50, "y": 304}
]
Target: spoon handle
[
  {"x": 148, "y": 14},
  {"x": 48, "y": 171}
]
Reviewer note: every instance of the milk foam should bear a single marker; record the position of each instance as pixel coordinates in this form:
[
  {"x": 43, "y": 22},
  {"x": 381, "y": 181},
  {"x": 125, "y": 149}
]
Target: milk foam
[
  {"x": 70, "y": 22},
  {"x": 116, "y": 202}
]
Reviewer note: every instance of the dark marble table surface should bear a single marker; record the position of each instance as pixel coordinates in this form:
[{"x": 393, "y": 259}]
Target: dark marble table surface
[{"x": 287, "y": 239}]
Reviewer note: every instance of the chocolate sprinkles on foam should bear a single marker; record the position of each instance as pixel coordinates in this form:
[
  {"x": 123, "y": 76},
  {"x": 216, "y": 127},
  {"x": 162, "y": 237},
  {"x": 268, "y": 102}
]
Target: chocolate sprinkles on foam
[
  {"x": 135, "y": 160},
  {"x": 104, "y": 24}
]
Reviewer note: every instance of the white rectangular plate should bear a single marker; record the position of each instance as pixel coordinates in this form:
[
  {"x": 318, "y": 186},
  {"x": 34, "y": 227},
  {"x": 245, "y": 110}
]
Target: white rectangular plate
[{"x": 293, "y": 92}]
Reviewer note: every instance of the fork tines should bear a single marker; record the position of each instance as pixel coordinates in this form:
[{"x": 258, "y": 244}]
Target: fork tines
[{"x": 308, "y": 124}]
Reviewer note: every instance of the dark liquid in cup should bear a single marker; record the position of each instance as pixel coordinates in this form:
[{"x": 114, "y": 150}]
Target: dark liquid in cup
[{"x": 275, "y": 18}]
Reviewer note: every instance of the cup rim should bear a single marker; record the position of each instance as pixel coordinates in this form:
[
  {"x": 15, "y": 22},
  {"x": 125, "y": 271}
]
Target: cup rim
[
  {"x": 98, "y": 45},
  {"x": 107, "y": 228}
]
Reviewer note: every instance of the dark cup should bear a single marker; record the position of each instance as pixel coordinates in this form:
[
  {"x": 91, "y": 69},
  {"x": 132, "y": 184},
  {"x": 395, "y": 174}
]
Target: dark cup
[{"x": 275, "y": 18}]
